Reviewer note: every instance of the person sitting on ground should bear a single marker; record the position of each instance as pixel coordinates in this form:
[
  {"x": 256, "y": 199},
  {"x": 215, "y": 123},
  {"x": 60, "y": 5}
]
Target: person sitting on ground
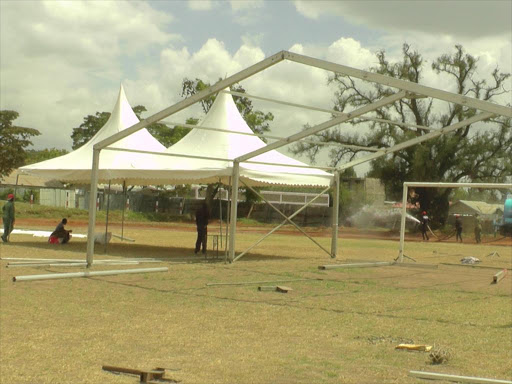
[
  {"x": 202, "y": 217},
  {"x": 61, "y": 235},
  {"x": 458, "y": 228}
]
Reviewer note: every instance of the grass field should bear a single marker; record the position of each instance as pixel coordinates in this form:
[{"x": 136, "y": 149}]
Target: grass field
[{"x": 341, "y": 326}]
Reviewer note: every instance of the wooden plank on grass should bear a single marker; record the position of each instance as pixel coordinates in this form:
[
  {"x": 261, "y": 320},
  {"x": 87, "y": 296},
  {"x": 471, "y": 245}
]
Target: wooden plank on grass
[
  {"x": 456, "y": 378},
  {"x": 267, "y": 288},
  {"x": 283, "y": 289},
  {"x": 498, "y": 276},
  {"x": 355, "y": 265}
]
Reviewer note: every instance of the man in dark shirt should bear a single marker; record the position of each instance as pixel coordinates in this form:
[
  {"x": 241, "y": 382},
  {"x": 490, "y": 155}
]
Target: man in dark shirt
[
  {"x": 458, "y": 228},
  {"x": 424, "y": 225},
  {"x": 202, "y": 217},
  {"x": 8, "y": 217}
]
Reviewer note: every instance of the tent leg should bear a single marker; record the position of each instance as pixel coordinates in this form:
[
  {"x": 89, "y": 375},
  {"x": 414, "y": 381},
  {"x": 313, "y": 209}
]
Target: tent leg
[
  {"x": 124, "y": 207},
  {"x": 402, "y": 223},
  {"x": 335, "y": 215},
  {"x": 106, "y": 218},
  {"x": 233, "y": 213},
  {"x": 92, "y": 206}
]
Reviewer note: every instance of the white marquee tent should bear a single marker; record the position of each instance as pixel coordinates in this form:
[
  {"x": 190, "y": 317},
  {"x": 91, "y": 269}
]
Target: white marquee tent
[{"x": 115, "y": 167}]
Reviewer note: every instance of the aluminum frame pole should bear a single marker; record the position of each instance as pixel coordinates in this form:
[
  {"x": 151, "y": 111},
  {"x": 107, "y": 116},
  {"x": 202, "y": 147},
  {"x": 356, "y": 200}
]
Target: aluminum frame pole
[
  {"x": 323, "y": 126},
  {"x": 287, "y": 219},
  {"x": 283, "y": 223},
  {"x": 233, "y": 213},
  {"x": 335, "y": 216},
  {"x": 92, "y": 206},
  {"x": 106, "y": 218},
  {"x": 405, "y": 192}
]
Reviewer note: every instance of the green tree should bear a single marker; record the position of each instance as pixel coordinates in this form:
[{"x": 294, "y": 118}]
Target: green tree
[
  {"x": 476, "y": 153},
  {"x": 13, "y": 141},
  {"x": 36, "y": 156},
  {"x": 91, "y": 125}
]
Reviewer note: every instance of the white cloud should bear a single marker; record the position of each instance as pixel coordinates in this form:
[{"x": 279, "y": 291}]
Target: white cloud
[
  {"x": 59, "y": 58},
  {"x": 200, "y": 5},
  {"x": 239, "y": 5},
  {"x": 450, "y": 17}
]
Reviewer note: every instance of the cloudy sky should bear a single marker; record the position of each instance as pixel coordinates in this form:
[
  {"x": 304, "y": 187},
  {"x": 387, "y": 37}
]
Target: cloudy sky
[{"x": 63, "y": 60}]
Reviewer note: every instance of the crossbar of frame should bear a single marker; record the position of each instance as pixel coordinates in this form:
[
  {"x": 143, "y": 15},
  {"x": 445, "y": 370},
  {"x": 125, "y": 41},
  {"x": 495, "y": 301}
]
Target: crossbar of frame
[
  {"x": 173, "y": 124},
  {"x": 405, "y": 193},
  {"x": 282, "y": 223},
  {"x": 287, "y": 219},
  {"x": 331, "y": 111}
]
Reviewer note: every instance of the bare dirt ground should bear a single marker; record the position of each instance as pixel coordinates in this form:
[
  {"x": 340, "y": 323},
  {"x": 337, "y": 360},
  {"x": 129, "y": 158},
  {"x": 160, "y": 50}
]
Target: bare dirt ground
[{"x": 335, "y": 326}]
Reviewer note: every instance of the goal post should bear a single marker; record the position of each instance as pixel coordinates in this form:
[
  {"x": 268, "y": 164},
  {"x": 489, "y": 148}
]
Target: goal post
[{"x": 409, "y": 184}]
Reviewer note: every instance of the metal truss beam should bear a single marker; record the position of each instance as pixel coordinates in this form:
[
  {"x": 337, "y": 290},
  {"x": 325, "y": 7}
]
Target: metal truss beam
[{"x": 401, "y": 84}]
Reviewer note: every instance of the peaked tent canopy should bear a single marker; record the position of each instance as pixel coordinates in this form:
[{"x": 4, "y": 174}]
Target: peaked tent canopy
[
  {"x": 75, "y": 167},
  {"x": 227, "y": 146}
]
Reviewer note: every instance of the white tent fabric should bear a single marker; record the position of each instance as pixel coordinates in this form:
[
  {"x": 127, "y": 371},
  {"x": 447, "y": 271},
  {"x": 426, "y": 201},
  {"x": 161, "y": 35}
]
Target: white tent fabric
[
  {"x": 228, "y": 145},
  {"x": 151, "y": 169},
  {"x": 75, "y": 167}
]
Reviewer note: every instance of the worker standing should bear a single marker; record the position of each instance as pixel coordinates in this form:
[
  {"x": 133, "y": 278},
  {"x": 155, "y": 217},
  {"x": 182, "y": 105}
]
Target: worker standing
[
  {"x": 478, "y": 229},
  {"x": 458, "y": 228},
  {"x": 424, "y": 225},
  {"x": 8, "y": 217}
]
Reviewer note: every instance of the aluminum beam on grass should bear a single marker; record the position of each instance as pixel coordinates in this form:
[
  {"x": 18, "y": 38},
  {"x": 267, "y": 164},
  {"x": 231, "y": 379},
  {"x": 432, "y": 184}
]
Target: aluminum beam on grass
[
  {"x": 258, "y": 67},
  {"x": 279, "y": 226},
  {"x": 405, "y": 192},
  {"x": 331, "y": 111},
  {"x": 417, "y": 140},
  {"x": 402, "y": 84},
  {"x": 286, "y": 218},
  {"x": 323, "y": 126}
]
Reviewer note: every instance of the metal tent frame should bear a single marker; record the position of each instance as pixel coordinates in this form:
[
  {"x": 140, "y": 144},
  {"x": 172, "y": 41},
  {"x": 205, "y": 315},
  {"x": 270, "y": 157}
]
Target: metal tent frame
[{"x": 405, "y": 90}]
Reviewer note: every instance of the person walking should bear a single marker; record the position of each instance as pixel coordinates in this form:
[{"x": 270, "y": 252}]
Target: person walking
[
  {"x": 478, "y": 229},
  {"x": 202, "y": 217},
  {"x": 458, "y": 228},
  {"x": 8, "y": 217},
  {"x": 424, "y": 225}
]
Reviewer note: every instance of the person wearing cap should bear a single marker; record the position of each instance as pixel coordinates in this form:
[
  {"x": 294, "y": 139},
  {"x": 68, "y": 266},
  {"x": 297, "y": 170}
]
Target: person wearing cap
[
  {"x": 8, "y": 217},
  {"x": 458, "y": 228},
  {"x": 424, "y": 225}
]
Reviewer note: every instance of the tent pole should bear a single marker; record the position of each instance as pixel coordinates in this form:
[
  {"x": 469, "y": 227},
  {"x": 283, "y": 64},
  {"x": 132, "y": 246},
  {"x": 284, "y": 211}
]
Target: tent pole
[
  {"x": 402, "y": 223},
  {"x": 92, "y": 206},
  {"x": 124, "y": 207},
  {"x": 228, "y": 208},
  {"x": 335, "y": 215},
  {"x": 106, "y": 217},
  {"x": 234, "y": 203},
  {"x": 219, "y": 192}
]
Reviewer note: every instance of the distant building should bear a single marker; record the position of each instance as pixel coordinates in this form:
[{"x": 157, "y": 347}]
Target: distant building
[{"x": 488, "y": 213}]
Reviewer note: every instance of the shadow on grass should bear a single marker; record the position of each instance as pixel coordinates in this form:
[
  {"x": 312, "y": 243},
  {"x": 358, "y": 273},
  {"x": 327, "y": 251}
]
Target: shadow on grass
[{"x": 145, "y": 251}]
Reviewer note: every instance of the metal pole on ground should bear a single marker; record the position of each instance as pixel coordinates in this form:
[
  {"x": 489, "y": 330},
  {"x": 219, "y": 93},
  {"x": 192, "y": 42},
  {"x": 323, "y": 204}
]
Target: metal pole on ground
[
  {"x": 402, "y": 223},
  {"x": 335, "y": 215},
  {"x": 234, "y": 204}
]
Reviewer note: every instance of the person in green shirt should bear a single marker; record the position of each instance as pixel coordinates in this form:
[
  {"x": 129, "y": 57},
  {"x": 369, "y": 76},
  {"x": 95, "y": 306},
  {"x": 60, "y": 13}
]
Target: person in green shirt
[
  {"x": 8, "y": 217},
  {"x": 478, "y": 229}
]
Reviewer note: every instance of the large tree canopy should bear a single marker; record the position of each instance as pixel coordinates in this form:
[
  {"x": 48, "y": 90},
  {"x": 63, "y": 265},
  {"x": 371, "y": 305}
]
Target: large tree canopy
[
  {"x": 13, "y": 141},
  {"x": 476, "y": 153}
]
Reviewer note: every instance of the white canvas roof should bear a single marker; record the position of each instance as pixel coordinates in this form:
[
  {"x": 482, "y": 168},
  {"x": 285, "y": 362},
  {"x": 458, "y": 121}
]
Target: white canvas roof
[
  {"x": 228, "y": 145},
  {"x": 75, "y": 167},
  {"x": 151, "y": 169}
]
